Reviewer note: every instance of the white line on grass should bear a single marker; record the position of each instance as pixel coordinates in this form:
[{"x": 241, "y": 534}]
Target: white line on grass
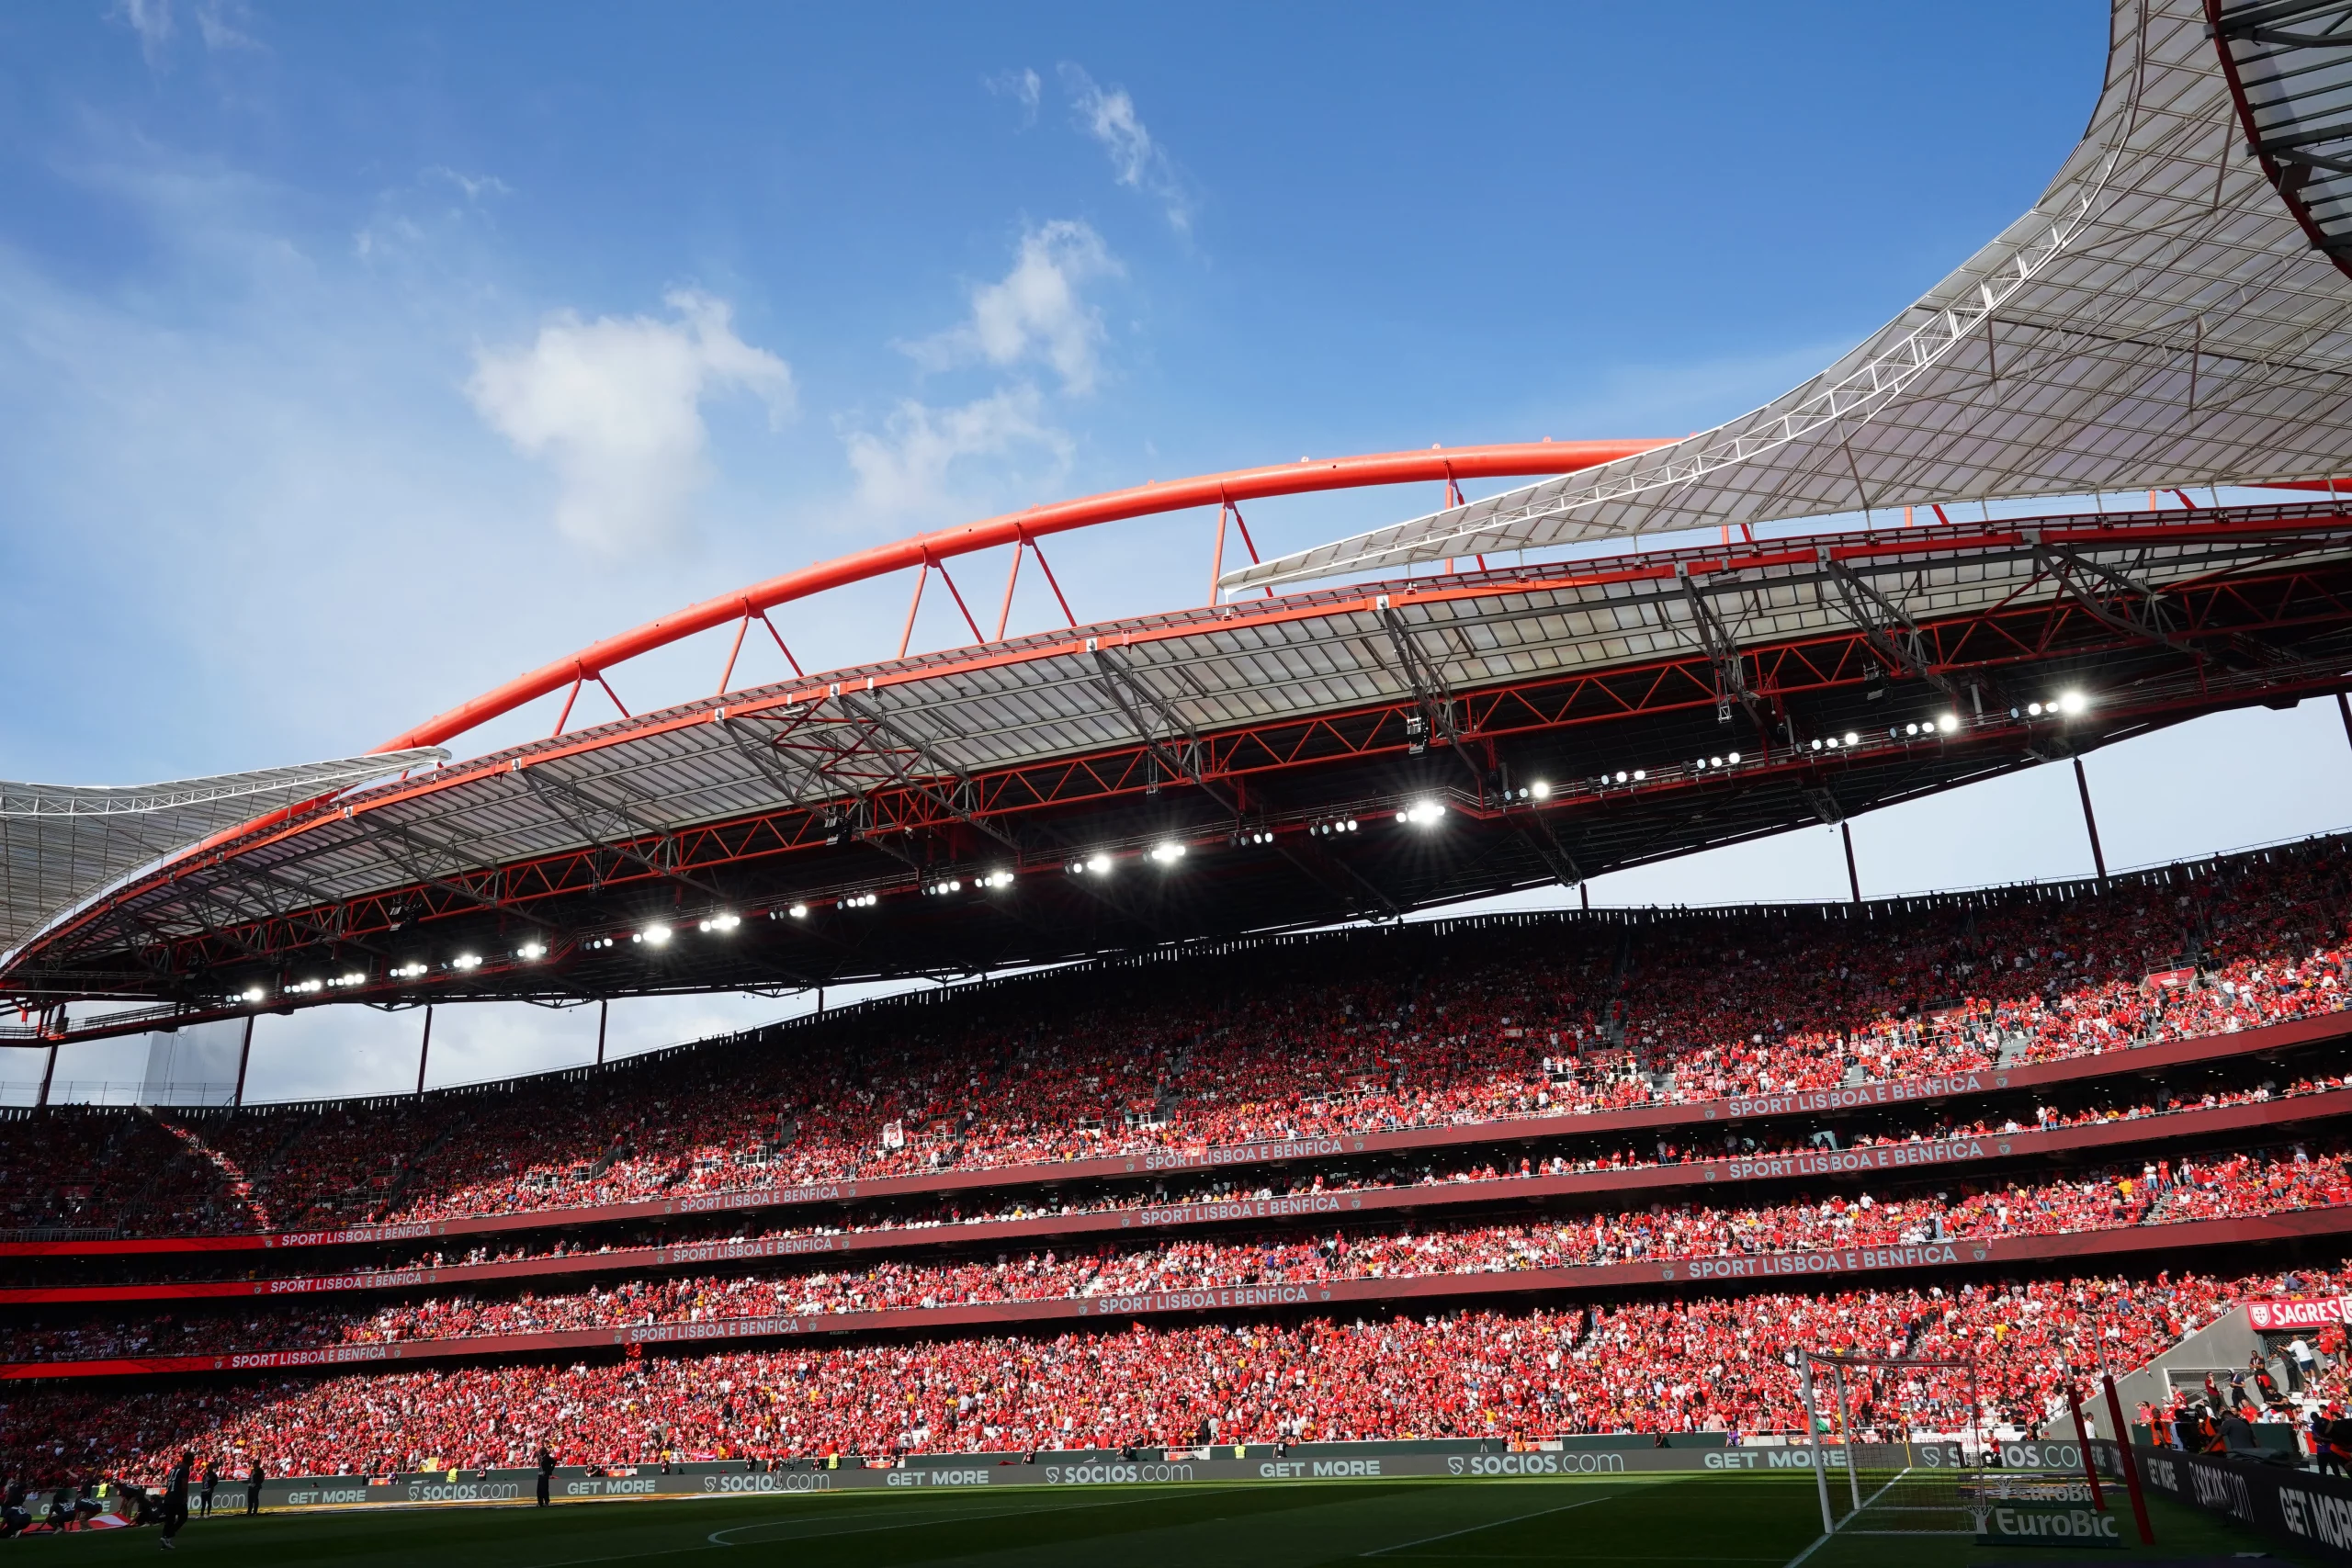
[
  {"x": 1491, "y": 1525},
  {"x": 1817, "y": 1546}
]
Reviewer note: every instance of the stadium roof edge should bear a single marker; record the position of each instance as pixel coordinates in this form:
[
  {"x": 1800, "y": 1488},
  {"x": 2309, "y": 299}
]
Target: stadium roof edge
[{"x": 2159, "y": 317}]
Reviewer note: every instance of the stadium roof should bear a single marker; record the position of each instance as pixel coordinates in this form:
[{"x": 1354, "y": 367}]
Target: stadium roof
[
  {"x": 2159, "y": 317},
  {"x": 62, "y": 844},
  {"x": 1665, "y": 702}
]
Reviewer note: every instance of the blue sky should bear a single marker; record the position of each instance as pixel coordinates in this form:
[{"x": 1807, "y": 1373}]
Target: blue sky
[{"x": 352, "y": 359}]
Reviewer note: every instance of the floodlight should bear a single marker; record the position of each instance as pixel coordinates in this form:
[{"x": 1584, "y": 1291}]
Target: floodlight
[
  {"x": 531, "y": 949},
  {"x": 1948, "y": 723},
  {"x": 1639, "y": 775},
  {"x": 1424, "y": 813},
  {"x": 1168, "y": 854},
  {"x": 1851, "y": 739},
  {"x": 1540, "y": 790},
  {"x": 466, "y": 961},
  {"x": 254, "y": 993},
  {"x": 655, "y": 935},
  {"x": 2070, "y": 702},
  {"x": 1621, "y": 777},
  {"x": 1099, "y": 863},
  {"x": 1910, "y": 729},
  {"x": 2033, "y": 708},
  {"x": 799, "y": 912},
  {"x": 1732, "y": 757}
]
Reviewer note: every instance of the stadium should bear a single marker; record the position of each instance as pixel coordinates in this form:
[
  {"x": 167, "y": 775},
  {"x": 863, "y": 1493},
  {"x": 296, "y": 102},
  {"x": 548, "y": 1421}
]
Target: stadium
[{"x": 1209, "y": 1206}]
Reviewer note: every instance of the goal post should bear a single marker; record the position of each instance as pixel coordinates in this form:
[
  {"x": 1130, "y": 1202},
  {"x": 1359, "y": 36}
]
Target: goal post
[{"x": 1909, "y": 1432}]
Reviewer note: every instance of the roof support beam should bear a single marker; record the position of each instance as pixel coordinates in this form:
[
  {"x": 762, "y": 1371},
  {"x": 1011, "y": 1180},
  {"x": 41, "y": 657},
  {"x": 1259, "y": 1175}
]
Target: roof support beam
[
  {"x": 1130, "y": 692},
  {"x": 1722, "y": 649},
  {"x": 2127, "y": 606},
  {"x": 1884, "y": 623}
]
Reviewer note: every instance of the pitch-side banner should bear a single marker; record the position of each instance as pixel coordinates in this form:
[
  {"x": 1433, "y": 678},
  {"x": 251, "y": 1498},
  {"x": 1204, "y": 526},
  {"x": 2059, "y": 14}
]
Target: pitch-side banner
[{"x": 2311, "y": 1512}]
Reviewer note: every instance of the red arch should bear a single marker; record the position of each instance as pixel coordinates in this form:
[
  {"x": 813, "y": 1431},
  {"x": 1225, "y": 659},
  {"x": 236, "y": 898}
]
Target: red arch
[{"x": 1523, "y": 459}]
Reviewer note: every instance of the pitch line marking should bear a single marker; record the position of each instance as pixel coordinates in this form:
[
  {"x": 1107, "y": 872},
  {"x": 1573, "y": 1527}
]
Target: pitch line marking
[{"x": 1490, "y": 1525}]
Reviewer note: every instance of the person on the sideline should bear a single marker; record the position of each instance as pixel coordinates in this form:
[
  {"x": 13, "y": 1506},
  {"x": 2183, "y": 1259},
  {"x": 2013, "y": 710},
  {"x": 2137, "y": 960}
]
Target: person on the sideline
[
  {"x": 547, "y": 1472},
  {"x": 175, "y": 1498},
  {"x": 252, "y": 1491},
  {"x": 211, "y": 1480}
]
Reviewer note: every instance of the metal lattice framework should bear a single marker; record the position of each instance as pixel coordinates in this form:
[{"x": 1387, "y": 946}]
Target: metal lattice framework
[
  {"x": 2159, "y": 317},
  {"x": 2290, "y": 68},
  {"x": 1240, "y": 732},
  {"x": 60, "y": 844}
]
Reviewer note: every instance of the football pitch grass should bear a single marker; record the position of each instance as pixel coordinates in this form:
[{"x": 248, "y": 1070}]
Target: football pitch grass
[{"x": 1761, "y": 1522}]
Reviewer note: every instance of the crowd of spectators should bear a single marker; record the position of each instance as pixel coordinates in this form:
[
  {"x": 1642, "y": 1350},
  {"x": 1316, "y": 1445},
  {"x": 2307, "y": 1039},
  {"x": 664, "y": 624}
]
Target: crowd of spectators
[
  {"x": 1360, "y": 1032},
  {"x": 1642, "y": 1368},
  {"x": 1346, "y": 1037},
  {"x": 2093, "y": 1200}
]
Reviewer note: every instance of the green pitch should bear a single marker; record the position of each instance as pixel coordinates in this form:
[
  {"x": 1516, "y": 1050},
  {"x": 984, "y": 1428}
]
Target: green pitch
[{"x": 1761, "y": 1522}]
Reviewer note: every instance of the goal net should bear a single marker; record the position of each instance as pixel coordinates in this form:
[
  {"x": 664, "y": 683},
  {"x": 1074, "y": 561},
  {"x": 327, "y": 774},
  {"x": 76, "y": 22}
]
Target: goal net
[{"x": 1900, "y": 1444}]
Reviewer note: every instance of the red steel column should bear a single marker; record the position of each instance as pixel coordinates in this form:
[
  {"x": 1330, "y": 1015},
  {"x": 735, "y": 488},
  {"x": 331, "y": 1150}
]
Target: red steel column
[
  {"x": 2083, "y": 1441},
  {"x": 2131, "y": 1463}
]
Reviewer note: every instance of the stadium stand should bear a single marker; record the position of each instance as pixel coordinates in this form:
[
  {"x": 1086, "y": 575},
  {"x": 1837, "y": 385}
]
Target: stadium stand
[
  {"x": 1710, "y": 1365},
  {"x": 2139, "y": 1195},
  {"x": 2134, "y": 1054},
  {"x": 1549, "y": 1016}
]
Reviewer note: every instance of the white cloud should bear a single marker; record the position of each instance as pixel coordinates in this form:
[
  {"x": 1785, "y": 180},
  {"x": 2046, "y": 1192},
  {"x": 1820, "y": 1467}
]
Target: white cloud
[
  {"x": 476, "y": 186},
  {"x": 217, "y": 24},
  {"x": 152, "y": 20},
  {"x": 1109, "y": 115},
  {"x": 1037, "y": 311},
  {"x": 221, "y": 24},
  {"x": 903, "y": 474},
  {"x": 1022, "y": 87},
  {"x": 615, "y": 407}
]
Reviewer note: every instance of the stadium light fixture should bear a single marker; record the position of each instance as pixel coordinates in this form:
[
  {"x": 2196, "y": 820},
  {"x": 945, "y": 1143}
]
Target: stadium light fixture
[
  {"x": 1851, "y": 739},
  {"x": 2070, "y": 702},
  {"x": 655, "y": 935},
  {"x": 798, "y": 911},
  {"x": 1732, "y": 758},
  {"x": 1639, "y": 775},
  {"x": 466, "y": 961},
  {"x": 2033, "y": 709},
  {"x": 1099, "y": 863},
  {"x": 1541, "y": 789},
  {"x": 1422, "y": 813},
  {"x": 1948, "y": 724},
  {"x": 254, "y": 993},
  {"x": 1621, "y": 777},
  {"x": 304, "y": 987},
  {"x": 1168, "y": 854},
  {"x": 723, "y": 922},
  {"x": 531, "y": 949}
]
